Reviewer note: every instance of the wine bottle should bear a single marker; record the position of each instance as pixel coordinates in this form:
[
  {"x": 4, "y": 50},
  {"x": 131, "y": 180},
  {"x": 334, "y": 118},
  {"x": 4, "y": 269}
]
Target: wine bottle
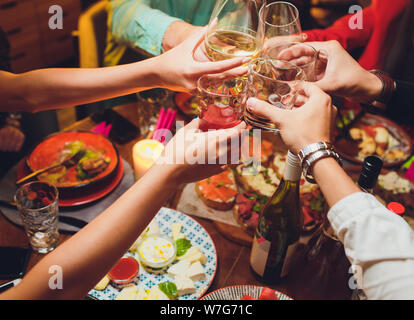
[
  {"x": 279, "y": 227},
  {"x": 370, "y": 172}
]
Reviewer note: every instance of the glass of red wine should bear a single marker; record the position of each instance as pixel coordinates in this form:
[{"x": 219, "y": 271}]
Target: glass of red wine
[{"x": 221, "y": 100}]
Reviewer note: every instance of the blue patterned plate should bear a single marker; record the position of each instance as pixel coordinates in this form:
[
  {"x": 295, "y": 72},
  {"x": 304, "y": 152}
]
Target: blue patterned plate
[
  {"x": 198, "y": 237},
  {"x": 237, "y": 292}
]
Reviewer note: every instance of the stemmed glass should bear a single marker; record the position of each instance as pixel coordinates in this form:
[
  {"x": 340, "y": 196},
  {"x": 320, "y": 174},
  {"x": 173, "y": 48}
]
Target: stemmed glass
[
  {"x": 232, "y": 30},
  {"x": 273, "y": 81},
  {"x": 278, "y": 21}
]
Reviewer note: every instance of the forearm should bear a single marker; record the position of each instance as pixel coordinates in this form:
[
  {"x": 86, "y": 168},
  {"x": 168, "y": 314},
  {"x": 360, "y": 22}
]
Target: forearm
[
  {"x": 176, "y": 33},
  {"x": 90, "y": 254},
  {"x": 58, "y": 88},
  {"x": 333, "y": 181}
]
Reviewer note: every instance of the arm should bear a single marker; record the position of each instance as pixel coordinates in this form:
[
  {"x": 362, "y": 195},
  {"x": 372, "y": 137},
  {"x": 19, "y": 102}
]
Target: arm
[
  {"x": 109, "y": 236},
  {"x": 58, "y": 88},
  {"x": 341, "y": 32},
  {"x": 139, "y": 26},
  {"x": 375, "y": 239}
]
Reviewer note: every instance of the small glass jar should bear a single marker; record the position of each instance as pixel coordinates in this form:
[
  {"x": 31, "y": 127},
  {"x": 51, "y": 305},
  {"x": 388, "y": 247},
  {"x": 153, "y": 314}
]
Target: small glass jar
[
  {"x": 156, "y": 253},
  {"x": 125, "y": 271}
]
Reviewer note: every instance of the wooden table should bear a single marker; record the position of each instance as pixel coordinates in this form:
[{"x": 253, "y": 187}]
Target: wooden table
[{"x": 233, "y": 258}]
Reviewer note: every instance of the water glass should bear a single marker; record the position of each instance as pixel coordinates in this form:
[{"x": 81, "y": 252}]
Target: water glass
[
  {"x": 150, "y": 103},
  {"x": 273, "y": 81},
  {"x": 221, "y": 101},
  {"x": 301, "y": 54},
  {"x": 37, "y": 203}
]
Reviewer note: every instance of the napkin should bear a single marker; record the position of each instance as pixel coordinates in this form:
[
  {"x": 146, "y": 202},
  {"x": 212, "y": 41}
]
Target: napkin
[{"x": 86, "y": 213}]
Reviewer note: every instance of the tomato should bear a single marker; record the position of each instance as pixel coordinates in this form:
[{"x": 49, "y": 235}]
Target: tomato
[
  {"x": 247, "y": 297},
  {"x": 268, "y": 294}
]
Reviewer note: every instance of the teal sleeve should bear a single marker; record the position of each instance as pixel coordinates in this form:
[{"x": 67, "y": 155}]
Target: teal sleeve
[{"x": 136, "y": 24}]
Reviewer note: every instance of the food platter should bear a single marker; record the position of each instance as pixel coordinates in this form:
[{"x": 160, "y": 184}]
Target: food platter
[
  {"x": 375, "y": 135},
  {"x": 194, "y": 232},
  {"x": 53, "y": 148},
  {"x": 237, "y": 293}
]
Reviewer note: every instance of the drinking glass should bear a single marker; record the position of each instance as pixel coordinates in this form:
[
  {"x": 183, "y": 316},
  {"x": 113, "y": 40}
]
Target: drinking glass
[
  {"x": 278, "y": 21},
  {"x": 300, "y": 54},
  {"x": 221, "y": 101},
  {"x": 150, "y": 103},
  {"x": 37, "y": 203},
  {"x": 273, "y": 81},
  {"x": 232, "y": 30}
]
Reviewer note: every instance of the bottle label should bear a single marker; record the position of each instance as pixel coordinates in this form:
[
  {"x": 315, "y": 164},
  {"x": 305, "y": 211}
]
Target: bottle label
[{"x": 259, "y": 255}]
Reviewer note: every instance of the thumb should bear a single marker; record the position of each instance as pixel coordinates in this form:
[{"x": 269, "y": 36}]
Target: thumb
[{"x": 266, "y": 110}]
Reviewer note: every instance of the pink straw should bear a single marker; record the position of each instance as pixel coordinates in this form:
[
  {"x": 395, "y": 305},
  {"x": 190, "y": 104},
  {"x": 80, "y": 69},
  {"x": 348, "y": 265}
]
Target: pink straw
[
  {"x": 160, "y": 118},
  {"x": 168, "y": 126},
  {"x": 164, "y": 121}
]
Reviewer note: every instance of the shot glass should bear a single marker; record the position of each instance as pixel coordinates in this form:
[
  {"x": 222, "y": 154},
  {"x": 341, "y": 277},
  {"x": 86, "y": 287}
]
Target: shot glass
[{"x": 37, "y": 203}]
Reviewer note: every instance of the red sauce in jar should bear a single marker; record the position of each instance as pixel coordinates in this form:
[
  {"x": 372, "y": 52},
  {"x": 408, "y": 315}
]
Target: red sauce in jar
[{"x": 124, "y": 271}]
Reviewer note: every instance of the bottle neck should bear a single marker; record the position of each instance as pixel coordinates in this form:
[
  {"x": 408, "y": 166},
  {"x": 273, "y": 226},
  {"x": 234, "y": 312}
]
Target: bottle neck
[{"x": 293, "y": 170}]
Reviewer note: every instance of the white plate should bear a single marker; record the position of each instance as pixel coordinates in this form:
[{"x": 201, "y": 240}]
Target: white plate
[
  {"x": 198, "y": 236},
  {"x": 237, "y": 292}
]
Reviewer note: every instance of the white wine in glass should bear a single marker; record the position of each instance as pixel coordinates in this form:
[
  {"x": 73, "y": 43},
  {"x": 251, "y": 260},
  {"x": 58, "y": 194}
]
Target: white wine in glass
[{"x": 233, "y": 30}]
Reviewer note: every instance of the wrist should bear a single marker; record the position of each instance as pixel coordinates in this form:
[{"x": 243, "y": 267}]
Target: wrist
[{"x": 373, "y": 88}]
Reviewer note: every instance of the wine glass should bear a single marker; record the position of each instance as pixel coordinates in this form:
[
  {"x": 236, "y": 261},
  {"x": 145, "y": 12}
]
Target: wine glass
[
  {"x": 273, "y": 81},
  {"x": 232, "y": 30},
  {"x": 301, "y": 54},
  {"x": 278, "y": 22},
  {"x": 221, "y": 99}
]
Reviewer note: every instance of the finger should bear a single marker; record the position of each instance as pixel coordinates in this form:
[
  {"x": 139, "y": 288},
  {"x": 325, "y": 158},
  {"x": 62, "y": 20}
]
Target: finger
[
  {"x": 222, "y": 66},
  {"x": 266, "y": 110},
  {"x": 310, "y": 90},
  {"x": 236, "y": 72},
  {"x": 196, "y": 39}
]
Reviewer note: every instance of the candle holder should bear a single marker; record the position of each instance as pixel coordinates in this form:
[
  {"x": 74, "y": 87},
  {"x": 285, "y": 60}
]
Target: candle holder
[{"x": 144, "y": 155}]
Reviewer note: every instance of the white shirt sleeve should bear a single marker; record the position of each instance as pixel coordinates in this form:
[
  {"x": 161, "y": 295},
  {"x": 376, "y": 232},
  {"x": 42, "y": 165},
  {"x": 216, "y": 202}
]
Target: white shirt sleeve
[{"x": 377, "y": 241}]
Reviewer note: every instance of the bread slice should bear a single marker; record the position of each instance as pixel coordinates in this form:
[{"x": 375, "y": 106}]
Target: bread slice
[
  {"x": 218, "y": 192},
  {"x": 261, "y": 180}
]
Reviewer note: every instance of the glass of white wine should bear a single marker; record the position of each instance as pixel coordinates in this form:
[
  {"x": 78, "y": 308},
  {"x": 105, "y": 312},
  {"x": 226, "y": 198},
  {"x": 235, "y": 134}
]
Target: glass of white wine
[
  {"x": 232, "y": 30},
  {"x": 278, "y": 22}
]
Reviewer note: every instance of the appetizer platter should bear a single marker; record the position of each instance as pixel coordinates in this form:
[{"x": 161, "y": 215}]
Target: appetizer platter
[
  {"x": 242, "y": 192},
  {"x": 175, "y": 258},
  {"x": 374, "y": 135},
  {"x": 99, "y": 159},
  {"x": 246, "y": 292}
]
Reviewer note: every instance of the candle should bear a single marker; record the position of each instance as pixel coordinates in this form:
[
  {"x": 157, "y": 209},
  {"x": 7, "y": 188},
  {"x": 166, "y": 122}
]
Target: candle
[{"x": 144, "y": 154}]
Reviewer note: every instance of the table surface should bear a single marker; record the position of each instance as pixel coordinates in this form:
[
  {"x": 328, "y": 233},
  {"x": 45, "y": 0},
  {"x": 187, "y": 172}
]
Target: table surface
[{"x": 233, "y": 258}]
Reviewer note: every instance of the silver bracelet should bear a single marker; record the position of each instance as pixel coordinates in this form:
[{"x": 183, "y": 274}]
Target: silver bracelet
[
  {"x": 308, "y": 164},
  {"x": 312, "y": 148}
]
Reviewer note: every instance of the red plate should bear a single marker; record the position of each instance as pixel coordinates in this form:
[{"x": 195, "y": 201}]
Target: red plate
[
  {"x": 47, "y": 152},
  {"x": 85, "y": 195}
]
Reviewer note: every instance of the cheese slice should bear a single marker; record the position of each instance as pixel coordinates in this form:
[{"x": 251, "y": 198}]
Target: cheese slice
[
  {"x": 142, "y": 294},
  {"x": 196, "y": 271},
  {"x": 102, "y": 284},
  {"x": 194, "y": 254},
  {"x": 181, "y": 267},
  {"x": 156, "y": 294},
  {"x": 184, "y": 285},
  {"x": 128, "y": 293},
  {"x": 176, "y": 230}
]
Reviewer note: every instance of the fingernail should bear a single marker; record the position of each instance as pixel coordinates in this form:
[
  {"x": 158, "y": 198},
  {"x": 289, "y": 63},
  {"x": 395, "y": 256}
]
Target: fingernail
[{"x": 251, "y": 103}]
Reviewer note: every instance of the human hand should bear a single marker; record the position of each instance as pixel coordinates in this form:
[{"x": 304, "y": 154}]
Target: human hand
[
  {"x": 11, "y": 138},
  {"x": 339, "y": 74},
  {"x": 193, "y": 155},
  {"x": 302, "y": 126},
  {"x": 179, "y": 70}
]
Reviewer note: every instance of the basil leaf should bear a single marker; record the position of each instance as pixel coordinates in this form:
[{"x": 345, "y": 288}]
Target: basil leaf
[
  {"x": 169, "y": 288},
  {"x": 182, "y": 246}
]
